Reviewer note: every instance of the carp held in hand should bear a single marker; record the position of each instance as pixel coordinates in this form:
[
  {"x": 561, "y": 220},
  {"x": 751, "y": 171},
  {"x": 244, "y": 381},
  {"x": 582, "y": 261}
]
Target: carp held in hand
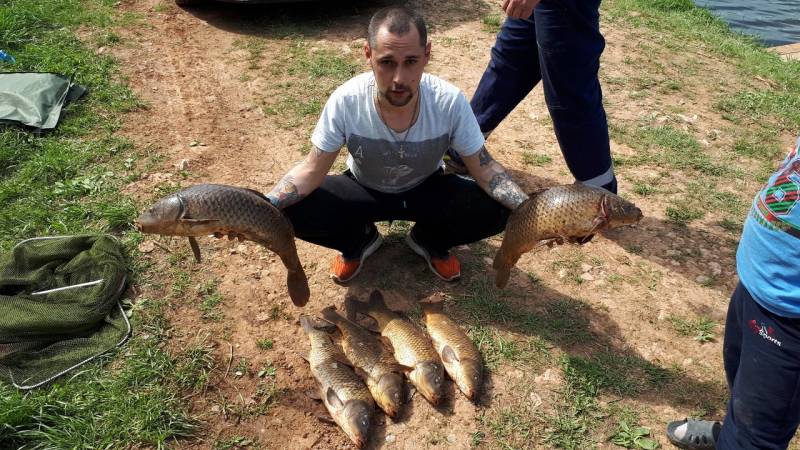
[
  {"x": 216, "y": 209},
  {"x": 571, "y": 213}
]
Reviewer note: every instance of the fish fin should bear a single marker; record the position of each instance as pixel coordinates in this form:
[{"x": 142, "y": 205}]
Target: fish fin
[
  {"x": 449, "y": 355},
  {"x": 361, "y": 372},
  {"x": 313, "y": 394},
  {"x": 331, "y": 315},
  {"x": 376, "y": 300},
  {"x": 197, "y": 221},
  {"x": 304, "y": 355},
  {"x": 368, "y": 323},
  {"x": 297, "y": 285},
  {"x": 258, "y": 193},
  {"x": 311, "y": 324},
  {"x": 195, "y": 248},
  {"x": 325, "y": 418},
  {"x": 305, "y": 322},
  {"x": 352, "y": 306},
  {"x": 434, "y": 303},
  {"x": 340, "y": 358},
  {"x": 502, "y": 266},
  {"x": 387, "y": 343},
  {"x": 402, "y": 368},
  {"x": 333, "y": 399}
]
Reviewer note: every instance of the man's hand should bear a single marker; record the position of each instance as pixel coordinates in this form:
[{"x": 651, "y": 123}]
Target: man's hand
[
  {"x": 519, "y": 9},
  {"x": 494, "y": 179}
]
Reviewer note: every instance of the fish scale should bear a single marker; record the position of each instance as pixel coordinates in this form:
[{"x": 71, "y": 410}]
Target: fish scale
[
  {"x": 331, "y": 372},
  {"x": 206, "y": 209},
  {"x": 365, "y": 351},
  {"x": 410, "y": 346},
  {"x": 564, "y": 213},
  {"x": 462, "y": 359}
]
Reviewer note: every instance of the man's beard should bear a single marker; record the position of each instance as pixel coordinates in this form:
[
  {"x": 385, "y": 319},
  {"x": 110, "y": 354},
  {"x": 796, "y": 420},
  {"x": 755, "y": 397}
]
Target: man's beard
[{"x": 394, "y": 101}]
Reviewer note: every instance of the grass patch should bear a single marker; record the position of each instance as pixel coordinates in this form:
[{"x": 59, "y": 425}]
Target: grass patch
[
  {"x": 265, "y": 344},
  {"x": 679, "y": 25},
  {"x": 68, "y": 181},
  {"x": 665, "y": 146},
  {"x": 700, "y": 329},
  {"x": 629, "y": 434},
  {"x": 537, "y": 160},
  {"x": 494, "y": 346},
  {"x": 310, "y": 75},
  {"x": 139, "y": 405},
  {"x": 492, "y": 23},
  {"x": 210, "y": 298}
]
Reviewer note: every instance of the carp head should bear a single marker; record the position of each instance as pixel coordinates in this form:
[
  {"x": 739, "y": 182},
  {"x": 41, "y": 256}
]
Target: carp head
[
  {"x": 391, "y": 393},
  {"x": 619, "y": 211},
  {"x": 355, "y": 421},
  {"x": 427, "y": 376},
  {"x": 164, "y": 217}
]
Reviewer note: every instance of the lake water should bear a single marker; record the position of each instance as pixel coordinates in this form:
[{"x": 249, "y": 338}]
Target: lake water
[{"x": 774, "y": 22}]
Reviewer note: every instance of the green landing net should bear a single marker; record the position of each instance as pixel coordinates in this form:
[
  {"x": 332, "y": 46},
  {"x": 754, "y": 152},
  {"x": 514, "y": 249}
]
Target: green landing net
[{"x": 59, "y": 306}]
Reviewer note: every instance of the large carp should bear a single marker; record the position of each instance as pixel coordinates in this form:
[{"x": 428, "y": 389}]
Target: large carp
[
  {"x": 460, "y": 356},
  {"x": 410, "y": 345},
  {"x": 570, "y": 213},
  {"x": 217, "y": 209},
  {"x": 384, "y": 376},
  {"x": 341, "y": 390}
]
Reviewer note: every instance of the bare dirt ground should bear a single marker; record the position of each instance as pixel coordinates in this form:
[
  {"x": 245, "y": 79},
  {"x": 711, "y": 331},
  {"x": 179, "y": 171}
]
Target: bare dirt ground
[{"x": 206, "y": 75}]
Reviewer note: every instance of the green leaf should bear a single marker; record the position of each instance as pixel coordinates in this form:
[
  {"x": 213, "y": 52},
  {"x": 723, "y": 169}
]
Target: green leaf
[{"x": 647, "y": 444}]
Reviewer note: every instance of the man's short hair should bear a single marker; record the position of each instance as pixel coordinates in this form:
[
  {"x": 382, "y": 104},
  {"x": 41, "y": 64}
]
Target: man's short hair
[{"x": 398, "y": 20}]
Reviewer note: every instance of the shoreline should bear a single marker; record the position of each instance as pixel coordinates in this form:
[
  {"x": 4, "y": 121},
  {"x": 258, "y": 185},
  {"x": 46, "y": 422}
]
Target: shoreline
[{"x": 787, "y": 52}]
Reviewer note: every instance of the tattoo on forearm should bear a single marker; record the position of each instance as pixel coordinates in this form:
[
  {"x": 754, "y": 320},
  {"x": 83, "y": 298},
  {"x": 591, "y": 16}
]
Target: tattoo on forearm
[
  {"x": 484, "y": 157},
  {"x": 285, "y": 193},
  {"x": 503, "y": 189}
]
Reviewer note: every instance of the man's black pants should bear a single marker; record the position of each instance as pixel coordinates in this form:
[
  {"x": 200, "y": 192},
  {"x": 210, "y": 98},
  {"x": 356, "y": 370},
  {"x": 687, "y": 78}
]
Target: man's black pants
[{"x": 449, "y": 210}]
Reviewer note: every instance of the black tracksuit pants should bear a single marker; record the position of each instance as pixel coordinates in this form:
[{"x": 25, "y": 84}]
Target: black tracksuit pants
[{"x": 449, "y": 210}]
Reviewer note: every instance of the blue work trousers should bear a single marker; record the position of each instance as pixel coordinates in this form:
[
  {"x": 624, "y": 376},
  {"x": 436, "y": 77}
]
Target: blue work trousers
[
  {"x": 762, "y": 362},
  {"x": 560, "y": 44}
]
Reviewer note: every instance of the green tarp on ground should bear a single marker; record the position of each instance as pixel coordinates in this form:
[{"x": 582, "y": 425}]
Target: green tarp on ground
[
  {"x": 35, "y": 99},
  {"x": 59, "y": 306}
]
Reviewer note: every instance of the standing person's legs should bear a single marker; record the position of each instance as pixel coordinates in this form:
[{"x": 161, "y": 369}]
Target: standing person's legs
[
  {"x": 764, "y": 408},
  {"x": 570, "y": 45},
  {"x": 512, "y": 72}
]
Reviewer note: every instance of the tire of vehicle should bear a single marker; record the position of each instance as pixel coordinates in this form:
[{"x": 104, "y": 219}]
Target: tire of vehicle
[{"x": 189, "y": 2}]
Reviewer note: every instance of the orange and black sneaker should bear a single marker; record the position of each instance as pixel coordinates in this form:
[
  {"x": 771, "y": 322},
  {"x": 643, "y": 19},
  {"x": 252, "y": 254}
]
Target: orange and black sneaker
[
  {"x": 344, "y": 270},
  {"x": 447, "y": 268}
]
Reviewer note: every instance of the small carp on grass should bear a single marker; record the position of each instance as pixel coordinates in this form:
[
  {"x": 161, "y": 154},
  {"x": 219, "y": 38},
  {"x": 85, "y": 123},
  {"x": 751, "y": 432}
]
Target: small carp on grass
[
  {"x": 410, "y": 346},
  {"x": 374, "y": 362},
  {"x": 461, "y": 358},
  {"x": 217, "y": 209},
  {"x": 571, "y": 213},
  {"x": 344, "y": 394}
]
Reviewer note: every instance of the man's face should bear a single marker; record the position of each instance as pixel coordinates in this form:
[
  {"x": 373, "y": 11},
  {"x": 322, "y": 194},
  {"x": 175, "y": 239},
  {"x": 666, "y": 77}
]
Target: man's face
[{"x": 398, "y": 63}]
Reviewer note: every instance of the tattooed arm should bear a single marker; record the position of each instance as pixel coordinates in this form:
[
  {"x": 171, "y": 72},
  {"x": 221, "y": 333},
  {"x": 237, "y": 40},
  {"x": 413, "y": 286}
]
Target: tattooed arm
[
  {"x": 494, "y": 179},
  {"x": 302, "y": 179}
]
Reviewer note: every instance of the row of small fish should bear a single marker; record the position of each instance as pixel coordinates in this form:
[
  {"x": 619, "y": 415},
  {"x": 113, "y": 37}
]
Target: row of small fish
[{"x": 349, "y": 400}]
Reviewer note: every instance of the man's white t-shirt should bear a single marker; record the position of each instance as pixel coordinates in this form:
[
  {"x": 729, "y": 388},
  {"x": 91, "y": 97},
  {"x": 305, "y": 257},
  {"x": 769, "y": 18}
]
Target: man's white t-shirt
[{"x": 387, "y": 161}]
